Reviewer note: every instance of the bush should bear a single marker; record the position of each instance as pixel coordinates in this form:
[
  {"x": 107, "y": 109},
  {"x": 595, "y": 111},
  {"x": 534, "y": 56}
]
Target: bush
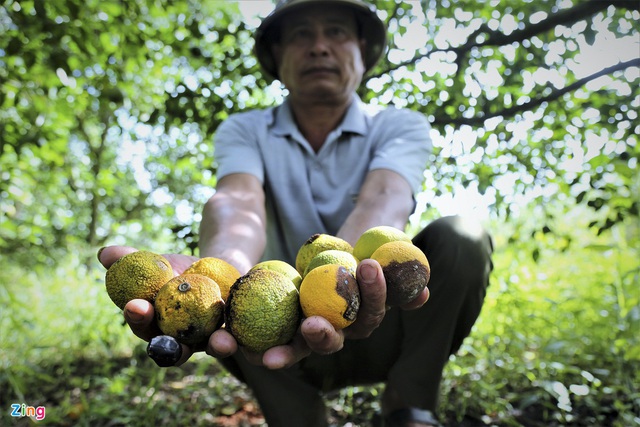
[{"x": 556, "y": 344}]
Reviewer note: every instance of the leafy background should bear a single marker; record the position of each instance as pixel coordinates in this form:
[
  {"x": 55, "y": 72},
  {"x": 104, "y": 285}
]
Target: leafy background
[{"x": 108, "y": 111}]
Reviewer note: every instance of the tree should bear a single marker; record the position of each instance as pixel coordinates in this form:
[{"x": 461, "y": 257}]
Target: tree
[
  {"x": 509, "y": 79},
  {"x": 108, "y": 109},
  {"x": 105, "y": 108}
]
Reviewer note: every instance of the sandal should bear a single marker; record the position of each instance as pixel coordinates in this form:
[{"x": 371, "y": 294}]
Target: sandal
[{"x": 401, "y": 417}]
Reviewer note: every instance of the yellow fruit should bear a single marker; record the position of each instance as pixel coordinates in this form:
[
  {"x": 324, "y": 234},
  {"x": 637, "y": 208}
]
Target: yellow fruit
[
  {"x": 375, "y": 237},
  {"x": 189, "y": 308},
  {"x": 220, "y": 271},
  {"x": 332, "y": 292},
  {"x": 406, "y": 271},
  {"x": 281, "y": 267},
  {"x": 263, "y": 310},
  {"x": 137, "y": 275},
  {"x": 333, "y": 256},
  {"x": 316, "y": 244}
]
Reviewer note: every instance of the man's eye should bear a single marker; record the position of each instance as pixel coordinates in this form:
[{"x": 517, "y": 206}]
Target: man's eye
[
  {"x": 302, "y": 32},
  {"x": 336, "y": 32}
]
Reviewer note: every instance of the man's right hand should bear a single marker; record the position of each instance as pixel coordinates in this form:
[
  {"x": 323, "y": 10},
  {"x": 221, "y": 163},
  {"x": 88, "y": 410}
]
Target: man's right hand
[{"x": 140, "y": 315}]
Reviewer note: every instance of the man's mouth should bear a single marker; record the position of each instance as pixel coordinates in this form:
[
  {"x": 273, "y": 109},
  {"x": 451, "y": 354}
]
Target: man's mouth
[{"x": 320, "y": 70}]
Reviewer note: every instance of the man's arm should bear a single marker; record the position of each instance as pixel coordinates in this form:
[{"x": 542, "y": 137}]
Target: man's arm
[
  {"x": 233, "y": 225},
  {"x": 232, "y": 228},
  {"x": 385, "y": 199}
]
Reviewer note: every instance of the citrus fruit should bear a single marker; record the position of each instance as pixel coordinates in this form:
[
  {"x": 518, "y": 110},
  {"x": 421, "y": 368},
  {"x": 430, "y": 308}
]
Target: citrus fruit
[
  {"x": 334, "y": 256},
  {"x": 281, "y": 267},
  {"x": 220, "y": 271},
  {"x": 406, "y": 271},
  {"x": 332, "y": 292},
  {"x": 316, "y": 244},
  {"x": 189, "y": 308},
  {"x": 374, "y": 237},
  {"x": 263, "y": 310},
  {"x": 139, "y": 274}
]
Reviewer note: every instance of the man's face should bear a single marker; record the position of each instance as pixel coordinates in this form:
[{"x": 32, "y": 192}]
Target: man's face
[{"x": 319, "y": 55}]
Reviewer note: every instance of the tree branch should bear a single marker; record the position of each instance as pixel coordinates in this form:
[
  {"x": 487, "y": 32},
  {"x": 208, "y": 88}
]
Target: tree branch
[
  {"x": 96, "y": 166},
  {"x": 566, "y": 17},
  {"x": 511, "y": 111}
]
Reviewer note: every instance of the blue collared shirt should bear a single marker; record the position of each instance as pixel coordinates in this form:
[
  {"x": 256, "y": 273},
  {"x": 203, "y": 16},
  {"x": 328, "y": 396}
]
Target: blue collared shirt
[{"x": 308, "y": 192}]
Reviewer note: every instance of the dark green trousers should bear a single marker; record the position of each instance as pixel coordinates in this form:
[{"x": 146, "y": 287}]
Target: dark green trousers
[{"x": 409, "y": 350}]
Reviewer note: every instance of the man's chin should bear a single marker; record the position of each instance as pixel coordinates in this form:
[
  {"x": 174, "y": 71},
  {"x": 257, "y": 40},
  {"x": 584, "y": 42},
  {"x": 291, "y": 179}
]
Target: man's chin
[
  {"x": 328, "y": 100},
  {"x": 313, "y": 87}
]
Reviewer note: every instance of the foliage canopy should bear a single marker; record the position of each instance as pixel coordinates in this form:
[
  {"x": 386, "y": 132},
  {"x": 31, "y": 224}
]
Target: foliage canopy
[{"x": 108, "y": 109}]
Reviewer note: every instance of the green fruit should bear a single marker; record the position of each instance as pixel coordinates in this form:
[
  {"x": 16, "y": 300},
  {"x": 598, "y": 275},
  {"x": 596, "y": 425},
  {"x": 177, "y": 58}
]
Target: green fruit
[
  {"x": 138, "y": 275},
  {"x": 263, "y": 310},
  {"x": 375, "y": 237},
  {"x": 281, "y": 267},
  {"x": 333, "y": 256},
  {"x": 316, "y": 244}
]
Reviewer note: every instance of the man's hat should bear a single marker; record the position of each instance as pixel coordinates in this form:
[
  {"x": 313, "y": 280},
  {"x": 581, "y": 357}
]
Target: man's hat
[{"x": 371, "y": 28}]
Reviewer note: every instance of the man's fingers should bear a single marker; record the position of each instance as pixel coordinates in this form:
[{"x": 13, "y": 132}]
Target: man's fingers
[
  {"x": 139, "y": 315},
  {"x": 110, "y": 254},
  {"x": 315, "y": 335},
  {"x": 284, "y": 356},
  {"x": 373, "y": 294},
  {"x": 221, "y": 344},
  {"x": 320, "y": 336},
  {"x": 419, "y": 301},
  {"x": 179, "y": 262},
  {"x": 186, "y": 354}
]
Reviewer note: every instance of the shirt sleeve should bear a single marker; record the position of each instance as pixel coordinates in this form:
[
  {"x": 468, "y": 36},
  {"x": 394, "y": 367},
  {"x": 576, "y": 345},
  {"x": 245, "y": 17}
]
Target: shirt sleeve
[
  {"x": 236, "y": 145},
  {"x": 403, "y": 145}
]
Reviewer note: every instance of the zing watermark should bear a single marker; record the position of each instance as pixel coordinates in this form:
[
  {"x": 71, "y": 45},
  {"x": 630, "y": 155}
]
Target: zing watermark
[{"x": 21, "y": 410}]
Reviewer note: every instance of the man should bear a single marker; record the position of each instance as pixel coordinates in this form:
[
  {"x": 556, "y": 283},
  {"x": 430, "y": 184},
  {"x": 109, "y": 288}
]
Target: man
[{"x": 324, "y": 163}]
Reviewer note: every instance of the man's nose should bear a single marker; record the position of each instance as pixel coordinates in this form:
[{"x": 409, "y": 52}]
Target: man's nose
[{"x": 319, "y": 44}]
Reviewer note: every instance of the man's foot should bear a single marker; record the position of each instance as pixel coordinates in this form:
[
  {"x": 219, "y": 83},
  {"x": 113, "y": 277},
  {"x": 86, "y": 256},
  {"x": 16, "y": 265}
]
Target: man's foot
[
  {"x": 396, "y": 413},
  {"x": 410, "y": 417}
]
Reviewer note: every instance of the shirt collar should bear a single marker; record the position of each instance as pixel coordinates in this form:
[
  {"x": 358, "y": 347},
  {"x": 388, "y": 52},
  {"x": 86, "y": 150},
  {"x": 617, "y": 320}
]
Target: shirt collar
[{"x": 354, "y": 120}]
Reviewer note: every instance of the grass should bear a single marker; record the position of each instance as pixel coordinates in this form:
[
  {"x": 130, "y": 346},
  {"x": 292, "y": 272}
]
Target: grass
[
  {"x": 556, "y": 345},
  {"x": 553, "y": 345}
]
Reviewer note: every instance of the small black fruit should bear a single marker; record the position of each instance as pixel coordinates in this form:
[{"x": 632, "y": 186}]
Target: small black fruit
[{"x": 164, "y": 350}]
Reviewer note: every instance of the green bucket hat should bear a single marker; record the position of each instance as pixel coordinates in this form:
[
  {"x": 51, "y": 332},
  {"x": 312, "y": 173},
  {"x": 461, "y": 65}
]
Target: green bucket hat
[{"x": 372, "y": 29}]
